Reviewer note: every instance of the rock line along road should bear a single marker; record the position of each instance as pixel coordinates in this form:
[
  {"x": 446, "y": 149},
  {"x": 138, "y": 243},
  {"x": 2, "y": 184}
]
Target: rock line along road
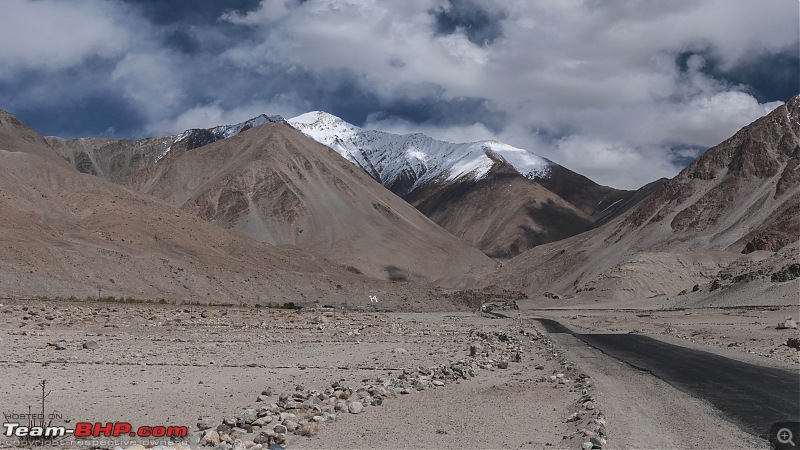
[{"x": 753, "y": 396}]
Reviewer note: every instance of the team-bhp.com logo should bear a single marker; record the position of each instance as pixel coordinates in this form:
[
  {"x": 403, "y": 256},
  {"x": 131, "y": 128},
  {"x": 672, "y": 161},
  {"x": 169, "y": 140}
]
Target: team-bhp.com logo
[{"x": 97, "y": 429}]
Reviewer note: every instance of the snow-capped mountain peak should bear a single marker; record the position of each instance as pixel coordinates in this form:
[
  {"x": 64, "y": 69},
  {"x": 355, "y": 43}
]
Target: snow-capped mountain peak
[
  {"x": 405, "y": 162},
  {"x": 401, "y": 162}
]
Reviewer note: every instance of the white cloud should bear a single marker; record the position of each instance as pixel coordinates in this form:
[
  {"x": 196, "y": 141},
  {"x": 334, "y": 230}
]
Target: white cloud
[
  {"x": 456, "y": 133},
  {"x": 590, "y": 84},
  {"x": 603, "y": 71},
  {"x": 150, "y": 81},
  {"x": 707, "y": 120},
  {"x": 615, "y": 163},
  {"x": 211, "y": 115},
  {"x": 50, "y": 34}
]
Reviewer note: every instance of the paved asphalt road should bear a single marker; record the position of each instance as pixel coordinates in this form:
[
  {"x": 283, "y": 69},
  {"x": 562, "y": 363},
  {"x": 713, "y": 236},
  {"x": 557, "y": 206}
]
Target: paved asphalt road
[{"x": 753, "y": 396}]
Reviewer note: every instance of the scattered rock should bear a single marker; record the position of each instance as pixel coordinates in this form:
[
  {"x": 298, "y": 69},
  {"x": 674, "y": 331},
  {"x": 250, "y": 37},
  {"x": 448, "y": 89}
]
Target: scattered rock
[
  {"x": 355, "y": 407},
  {"x": 474, "y": 349},
  {"x": 291, "y": 425},
  {"x": 91, "y": 345},
  {"x": 249, "y": 416},
  {"x": 261, "y": 421},
  {"x": 265, "y": 437},
  {"x": 61, "y": 345},
  {"x": 787, "y": 324},
  {"x": 597, "y": 442},
  {"x": 788, "y": 273},
  {"x": 229, "y": 421},
  {"x": 205, "y": 423},
  {"x": 210, "y": 439}
]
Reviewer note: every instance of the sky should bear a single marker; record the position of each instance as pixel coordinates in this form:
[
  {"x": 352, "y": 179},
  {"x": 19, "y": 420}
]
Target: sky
[{"x": 622, "y": 91}]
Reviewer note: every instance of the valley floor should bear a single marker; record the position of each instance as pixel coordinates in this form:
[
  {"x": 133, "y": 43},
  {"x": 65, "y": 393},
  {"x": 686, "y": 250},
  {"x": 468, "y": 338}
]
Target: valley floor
[{"x": 169, "y": 365}]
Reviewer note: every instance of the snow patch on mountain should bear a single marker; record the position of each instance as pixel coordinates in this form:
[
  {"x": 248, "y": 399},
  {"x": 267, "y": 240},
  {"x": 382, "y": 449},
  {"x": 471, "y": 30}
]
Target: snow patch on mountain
[
  {"x": 198, "y": 137},
  {"x": 415, "y": 159}
]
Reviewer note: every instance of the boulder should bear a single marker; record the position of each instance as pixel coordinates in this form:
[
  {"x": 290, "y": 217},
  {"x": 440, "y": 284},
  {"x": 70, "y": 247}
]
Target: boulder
[
  {"x": 355, "y": 407},
  {"x": 291, "y": 425},
  {"x": 249, "y": 415},
  {"x": 261, "y": 421},
  {"x": 210, "y": 439},
  {"x": 264, "y": 437},
  {"x": 787, "y": 323},
  {"x": 205, "y": 423}
]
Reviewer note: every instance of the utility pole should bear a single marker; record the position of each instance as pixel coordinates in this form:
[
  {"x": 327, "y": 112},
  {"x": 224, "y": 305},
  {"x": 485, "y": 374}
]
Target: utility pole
[{"x": 98, "y": 293}]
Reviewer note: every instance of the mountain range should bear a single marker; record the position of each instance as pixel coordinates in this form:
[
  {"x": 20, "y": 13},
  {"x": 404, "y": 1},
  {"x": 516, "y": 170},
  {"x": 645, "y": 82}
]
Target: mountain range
[
  {"x": 314, "y": 207},
  {"x": 499, "y": 198},
  {"x": 66, "y": 233}
]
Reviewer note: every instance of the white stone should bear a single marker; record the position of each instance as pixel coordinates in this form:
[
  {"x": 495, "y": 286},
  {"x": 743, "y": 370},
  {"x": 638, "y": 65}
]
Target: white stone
[{"x": 355, "y": 407}]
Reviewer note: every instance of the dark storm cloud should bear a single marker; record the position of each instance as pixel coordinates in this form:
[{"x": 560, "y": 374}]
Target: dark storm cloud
[
  {"x": 194, "y": 26},
  {"x": 182, "y": 40},
  {"x": 768, "y": 77},
  {"x": 341, "y": 92},
  {"x": 101, "y": 114},
  {"x": 87, "y": 104},
  {"x": 481, "y": 26},
  {"x": 198, "y": 12}
]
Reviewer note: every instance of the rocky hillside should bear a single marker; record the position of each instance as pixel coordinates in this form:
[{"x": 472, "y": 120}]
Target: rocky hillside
[
  {"x": 740, "y": 196},
  {"x": 275, "y": 185},
  {"x": 65, "y": 234}
]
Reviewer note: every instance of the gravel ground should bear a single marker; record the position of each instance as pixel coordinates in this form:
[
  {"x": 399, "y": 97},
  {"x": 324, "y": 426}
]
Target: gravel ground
[{"x": 167, "y": 365}]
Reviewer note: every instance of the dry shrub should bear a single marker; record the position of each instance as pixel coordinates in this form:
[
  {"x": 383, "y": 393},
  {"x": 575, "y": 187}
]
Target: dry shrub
[{"x": 308, "y": 429}]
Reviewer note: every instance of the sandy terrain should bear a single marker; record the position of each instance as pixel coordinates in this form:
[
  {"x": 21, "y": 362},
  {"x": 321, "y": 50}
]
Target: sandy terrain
[{"x": 164, "y": 365}]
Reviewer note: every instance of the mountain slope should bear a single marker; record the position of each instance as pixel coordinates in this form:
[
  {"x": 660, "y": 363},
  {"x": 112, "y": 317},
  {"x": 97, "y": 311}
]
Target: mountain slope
[
  {"x": 111, "y": 159},
  {"x": 274, "y": 184},
  {"x": 66, "y": 233},
  {"x": 448, "y": 183},
  {"x": 740, "y": 196}
]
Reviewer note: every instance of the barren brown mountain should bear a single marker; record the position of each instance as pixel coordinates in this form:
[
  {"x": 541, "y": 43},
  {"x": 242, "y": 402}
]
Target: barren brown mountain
[
  {"x": 111, "y": 159},
  {"x": 502, "y": 214},
  {"x": 505, "y": 213},
  {"x": 277, "y": 186},
  {"x": 740, "y": 196},
  {"x": 65, "y": 233},
  {"x": 493, "y": 196}
]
